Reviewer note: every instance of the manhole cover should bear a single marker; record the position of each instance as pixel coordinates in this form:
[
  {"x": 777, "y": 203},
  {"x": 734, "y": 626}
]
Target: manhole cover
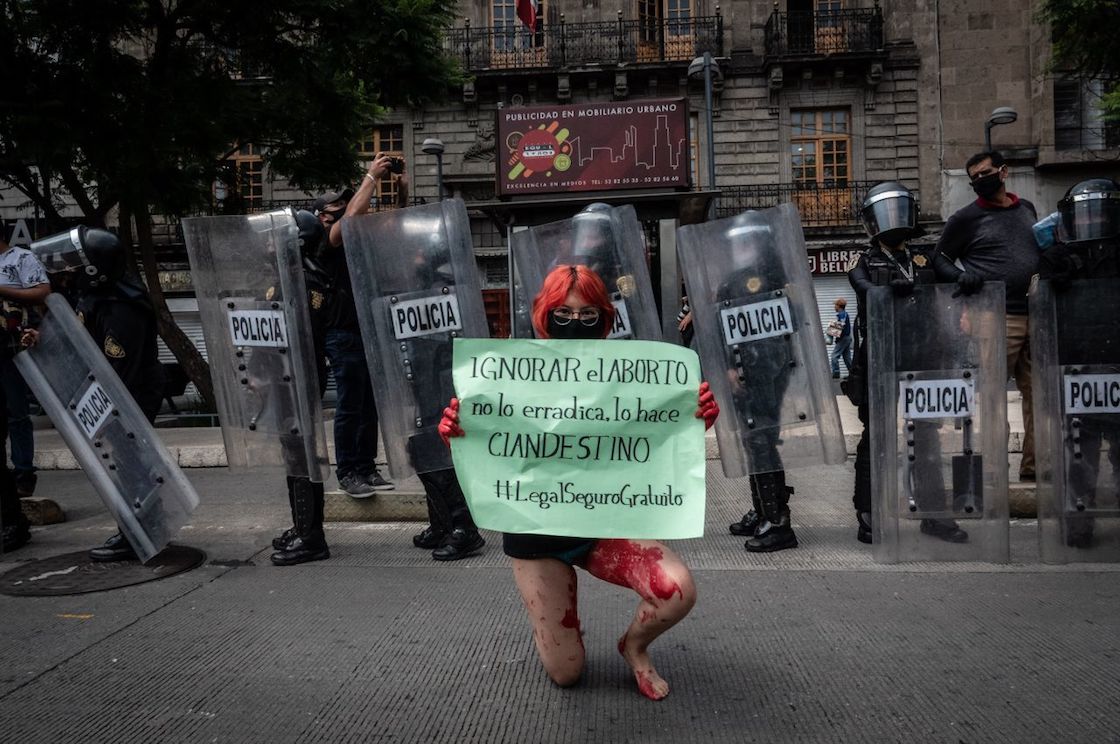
[{"x": 75, "y": 573}]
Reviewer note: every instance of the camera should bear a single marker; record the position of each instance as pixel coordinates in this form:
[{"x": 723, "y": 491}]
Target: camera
[{"x": 396, "y": 165}]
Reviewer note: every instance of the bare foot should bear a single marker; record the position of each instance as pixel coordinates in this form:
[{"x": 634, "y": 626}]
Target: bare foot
[{"x": 649, "y": 681}]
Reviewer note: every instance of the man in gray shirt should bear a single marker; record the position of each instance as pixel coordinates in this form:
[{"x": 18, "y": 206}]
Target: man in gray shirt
[
  {"x": 993, "y": 240},
  {"x": 23, "y": 285}
]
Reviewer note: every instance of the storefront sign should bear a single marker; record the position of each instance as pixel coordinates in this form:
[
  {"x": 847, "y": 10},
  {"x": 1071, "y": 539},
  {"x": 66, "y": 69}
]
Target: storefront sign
[{"x": 831, "y": 260}]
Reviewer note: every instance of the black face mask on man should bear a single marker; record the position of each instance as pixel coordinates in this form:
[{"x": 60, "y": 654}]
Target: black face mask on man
[
  {"x": 987, "y": 186},
  {"x": 574, "y": 329}
]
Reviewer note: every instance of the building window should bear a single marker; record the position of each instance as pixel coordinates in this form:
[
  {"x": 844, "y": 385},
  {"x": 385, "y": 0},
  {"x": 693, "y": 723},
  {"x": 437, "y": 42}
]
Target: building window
[
  {"x": 820, "y": 147},
  {"x": 510, "y": 34},
  {"x": 388, "y": 139},
  {"x": 1078, "y": 121},
  {"x": 665, "y": 30},
  {"x": 248, "y": 176}
]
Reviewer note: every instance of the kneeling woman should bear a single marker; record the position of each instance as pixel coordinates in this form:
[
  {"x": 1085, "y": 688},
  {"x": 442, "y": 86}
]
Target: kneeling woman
[{"x": 573, "y": 304}]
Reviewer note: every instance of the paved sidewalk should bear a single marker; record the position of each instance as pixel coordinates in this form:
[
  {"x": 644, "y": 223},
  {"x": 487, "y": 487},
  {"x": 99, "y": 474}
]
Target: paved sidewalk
[{"x": 380, "y": 643}]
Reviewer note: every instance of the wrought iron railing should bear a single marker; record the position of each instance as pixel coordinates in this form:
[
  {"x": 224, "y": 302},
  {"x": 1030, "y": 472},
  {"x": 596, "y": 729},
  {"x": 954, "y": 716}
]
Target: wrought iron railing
[
  {"x": 562, "y": 45},
  {"x": 830, "y": 205},
  {"x": 806, "y": 33}
]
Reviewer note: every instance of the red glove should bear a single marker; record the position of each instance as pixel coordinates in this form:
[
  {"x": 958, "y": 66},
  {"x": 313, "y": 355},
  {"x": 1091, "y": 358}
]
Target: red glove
[
  {"x": 449, "y": 424},
  {"x": 707, "y": 409}
]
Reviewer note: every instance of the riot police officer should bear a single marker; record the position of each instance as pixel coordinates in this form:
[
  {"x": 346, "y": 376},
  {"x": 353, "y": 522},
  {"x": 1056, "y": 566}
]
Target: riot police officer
[
  {"x": 305, "y": 540},
  {"x": 890, "y": 217},
  {"x": 114, "y": 307},
  {"x": 761, "y": 373},
  {"x": 1088, "y": 248}
]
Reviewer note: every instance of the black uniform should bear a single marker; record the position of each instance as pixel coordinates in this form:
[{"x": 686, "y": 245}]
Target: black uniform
[
  {"x": 123, "y": 325},
  {"x": 901, "y": 270},
  {"x": 764, "y": 370},
  {"x": 1062, "y": 264}
]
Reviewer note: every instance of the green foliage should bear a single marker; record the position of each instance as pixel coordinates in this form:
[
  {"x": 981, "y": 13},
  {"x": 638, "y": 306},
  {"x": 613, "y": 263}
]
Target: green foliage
[
  {"x": 1085, "y": 41},
  {"x": 134, "y": 102}
]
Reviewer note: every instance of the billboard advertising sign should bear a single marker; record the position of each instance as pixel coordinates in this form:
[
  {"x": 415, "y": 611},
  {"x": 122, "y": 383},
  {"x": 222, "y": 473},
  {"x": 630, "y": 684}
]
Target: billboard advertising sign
[{"x": 593, "y": 147}]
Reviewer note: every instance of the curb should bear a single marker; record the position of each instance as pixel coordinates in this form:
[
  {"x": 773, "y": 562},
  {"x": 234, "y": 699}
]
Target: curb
[{"x": 400, "y": 505}]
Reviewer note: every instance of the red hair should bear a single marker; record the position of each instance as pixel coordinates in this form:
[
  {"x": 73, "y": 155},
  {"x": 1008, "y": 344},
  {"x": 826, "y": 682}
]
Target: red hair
[{"x": 559, "y": 283}]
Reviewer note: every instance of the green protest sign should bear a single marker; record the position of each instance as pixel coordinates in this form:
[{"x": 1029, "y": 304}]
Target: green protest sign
[{"x": 580, "y": 438}]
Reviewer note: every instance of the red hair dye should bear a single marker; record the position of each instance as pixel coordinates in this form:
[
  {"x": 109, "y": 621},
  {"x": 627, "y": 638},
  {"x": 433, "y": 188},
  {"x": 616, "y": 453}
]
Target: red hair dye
[{"x": 559, "y": 283}]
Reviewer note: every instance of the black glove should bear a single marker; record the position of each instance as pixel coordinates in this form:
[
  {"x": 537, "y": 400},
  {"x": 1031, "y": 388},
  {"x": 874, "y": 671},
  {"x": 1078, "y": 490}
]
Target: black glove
[
  {"x": 1060, "y": 281},
  {"x": 902, "y": 287},
  {"x": 1062, "y": 270},
  {"x": 968, "y": 284}
]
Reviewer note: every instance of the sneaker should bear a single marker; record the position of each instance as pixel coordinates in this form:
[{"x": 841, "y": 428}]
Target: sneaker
[
  {"x": 355, "y": 486},
  {"x": 379, "y": 483}
]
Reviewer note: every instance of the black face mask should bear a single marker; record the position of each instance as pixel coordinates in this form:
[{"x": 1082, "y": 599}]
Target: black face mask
[
  {"x": 987, "y": 186},
  {"x": 574, "y": 329}
]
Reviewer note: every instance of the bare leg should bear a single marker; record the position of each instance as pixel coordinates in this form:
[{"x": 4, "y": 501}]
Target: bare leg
[
  {"x": 548, "y": 589},
  {"x": 665, "y": 586}
]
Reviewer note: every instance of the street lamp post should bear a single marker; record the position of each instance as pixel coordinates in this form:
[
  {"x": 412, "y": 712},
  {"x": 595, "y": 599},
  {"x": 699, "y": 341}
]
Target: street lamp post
[
  {"x": 1001, "y": 115},
  {"x": 434, "y": 146},
  {"x": 707, "y": 67}
]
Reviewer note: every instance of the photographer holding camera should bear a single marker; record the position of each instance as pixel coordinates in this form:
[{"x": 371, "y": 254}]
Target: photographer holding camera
[{"x": 355, "y": 420}]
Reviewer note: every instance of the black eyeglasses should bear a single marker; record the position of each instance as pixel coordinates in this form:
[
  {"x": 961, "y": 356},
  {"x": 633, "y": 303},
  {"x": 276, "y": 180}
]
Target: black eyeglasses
[{"x": 588, "y": 316}]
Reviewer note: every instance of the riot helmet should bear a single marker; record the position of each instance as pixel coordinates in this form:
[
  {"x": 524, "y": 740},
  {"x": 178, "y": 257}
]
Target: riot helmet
[
  {"x": 311, "y": 233},
  {"x": 751, "y": 241},
  {"x": 593, "y": 239},
  {"x": 1090, "y": 211},
  {"x": 95, "y": 256},
  {"x": 890, "y": 213}
]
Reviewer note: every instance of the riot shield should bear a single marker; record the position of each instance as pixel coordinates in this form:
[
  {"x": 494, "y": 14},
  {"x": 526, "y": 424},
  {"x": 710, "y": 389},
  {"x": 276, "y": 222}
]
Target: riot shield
[
  {"x": 1075, "y": 361},
  {"x": 761, "y": 348},
  {"x": 608, "y": 240},
  {"x": 252, "y": 300},
  {"x": 140, "y": 483},
  {"x": 416, "y": 288},
  {"x": 938, "y": 405}
]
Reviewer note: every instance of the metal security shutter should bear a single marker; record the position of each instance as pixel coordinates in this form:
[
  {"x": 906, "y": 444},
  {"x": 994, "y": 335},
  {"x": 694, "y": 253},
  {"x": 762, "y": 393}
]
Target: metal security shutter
[{"x": 828, "y": 289}]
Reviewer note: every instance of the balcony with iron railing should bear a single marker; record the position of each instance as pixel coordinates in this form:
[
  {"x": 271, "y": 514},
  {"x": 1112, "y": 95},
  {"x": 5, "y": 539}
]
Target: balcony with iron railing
[
  {"x": 809, "y": 34},
  {"x": 830, "y": 205},
  {"x": 571, "y": 45}
]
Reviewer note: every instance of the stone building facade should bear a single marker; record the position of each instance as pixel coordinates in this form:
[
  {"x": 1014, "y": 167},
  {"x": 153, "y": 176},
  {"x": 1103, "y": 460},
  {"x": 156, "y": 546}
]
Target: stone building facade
[{"x": 814, "y": 102}]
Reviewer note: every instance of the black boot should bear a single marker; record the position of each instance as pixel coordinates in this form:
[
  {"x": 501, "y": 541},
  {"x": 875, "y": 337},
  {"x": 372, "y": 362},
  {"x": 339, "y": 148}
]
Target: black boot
[
  {"x": 429, "y": 538},
  {"x": 116, "y": 548},
  {"x": 439, "y": 519},
  {"x": 1079, "y": 531},
  {"x": 943, "y": 529},
  {"x": 463, "y": 539},
  {"x": 463, "y": 542},
  {"x": 309, "y": 544},
  {"x": 775, "y": 531},
  {"x": 281, "y": 542},
  {"x": 749, "y": 523},
  {"x": 863, "y": 533},
  {"x": 15, "y": 535}
]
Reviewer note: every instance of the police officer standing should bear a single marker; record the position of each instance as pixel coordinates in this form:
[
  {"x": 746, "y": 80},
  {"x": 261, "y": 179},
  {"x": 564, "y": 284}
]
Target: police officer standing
[
  {"x": 890, "y": 216},
  {"x": 114, "y": 307},
  {"x": 1088, "y": 248},
  {"x": 305, "y": 540}
]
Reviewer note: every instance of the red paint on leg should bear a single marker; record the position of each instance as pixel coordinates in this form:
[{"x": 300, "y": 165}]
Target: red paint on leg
[
  {"x": 571, "y": 619},
  {"x": 627, "y": 564}
]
